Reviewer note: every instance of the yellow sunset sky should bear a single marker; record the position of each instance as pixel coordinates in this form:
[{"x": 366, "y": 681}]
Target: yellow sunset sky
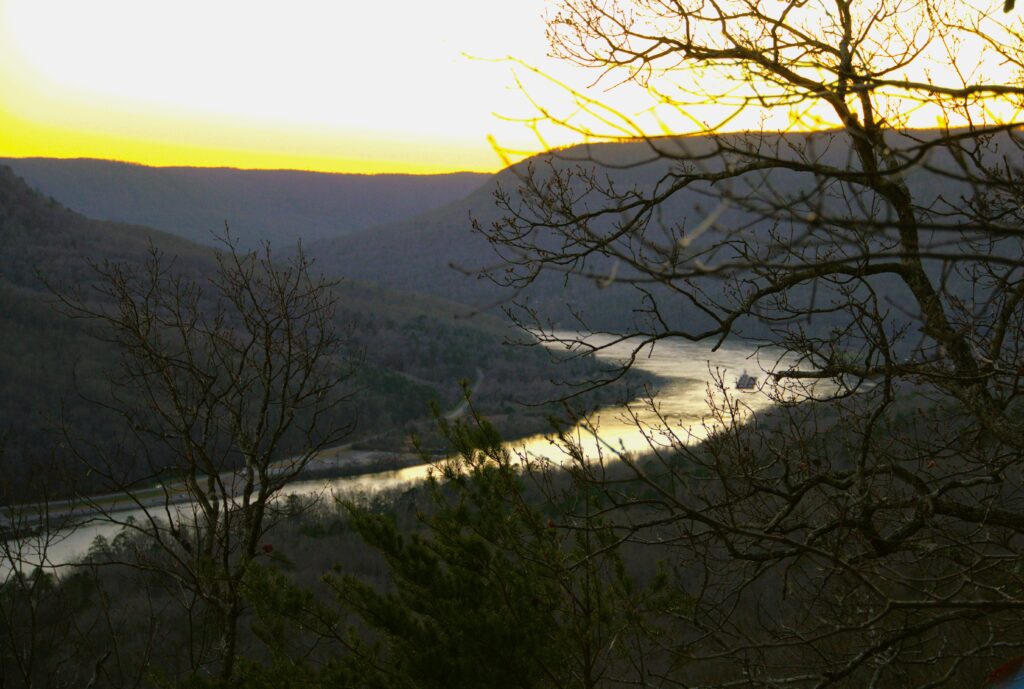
[
  {"x": 343, "y": 86},
  {"x": 396, "y": 86}
]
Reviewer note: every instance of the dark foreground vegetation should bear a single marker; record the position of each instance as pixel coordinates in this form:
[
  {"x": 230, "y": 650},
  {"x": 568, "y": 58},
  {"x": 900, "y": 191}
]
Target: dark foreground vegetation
[{"x": 499, "y": 571}]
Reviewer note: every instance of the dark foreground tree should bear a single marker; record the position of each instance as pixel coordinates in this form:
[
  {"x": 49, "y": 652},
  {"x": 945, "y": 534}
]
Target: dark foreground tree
[
  {"x": 512, "y": 578},
  {"x": 868, "y": 531},
  {"x": 228, "y": 384}
]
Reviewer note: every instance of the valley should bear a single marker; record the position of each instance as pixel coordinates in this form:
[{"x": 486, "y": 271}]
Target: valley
[
  {"x": 413, "y": 350},
  {"x": 693, "y": 358}
]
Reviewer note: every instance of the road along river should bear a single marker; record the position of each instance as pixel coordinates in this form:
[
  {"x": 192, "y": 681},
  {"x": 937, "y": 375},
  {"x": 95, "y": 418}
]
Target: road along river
[{"x": 689, "y": 375}]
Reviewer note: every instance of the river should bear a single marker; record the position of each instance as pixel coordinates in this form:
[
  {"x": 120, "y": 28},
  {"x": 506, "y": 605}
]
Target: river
[{"x": 687, "y": 372}]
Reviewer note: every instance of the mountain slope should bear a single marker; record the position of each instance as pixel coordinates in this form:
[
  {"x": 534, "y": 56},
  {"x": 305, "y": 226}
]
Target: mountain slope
[
  {"x": 416, "y": 347},
  {"x": 439, "y": 253},
  {"x": 418, "y": 254},
  {"x": 279, "y": 206}
]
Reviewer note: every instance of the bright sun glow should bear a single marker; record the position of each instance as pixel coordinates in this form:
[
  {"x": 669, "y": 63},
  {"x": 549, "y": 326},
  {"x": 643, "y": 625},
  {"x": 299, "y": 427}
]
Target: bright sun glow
[
  {"x": 402, "y": 86},
  {"x": 339, "y": 85}
]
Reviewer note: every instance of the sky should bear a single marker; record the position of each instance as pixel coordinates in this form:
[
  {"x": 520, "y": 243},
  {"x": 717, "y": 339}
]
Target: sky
[
  {"x": 397, "y": 86},
  {"x": 332, "y": 85}
]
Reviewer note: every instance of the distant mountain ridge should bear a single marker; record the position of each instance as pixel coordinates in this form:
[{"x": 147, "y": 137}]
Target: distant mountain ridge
[
  {"x": 439, "y": 253},
  {"x": 279, "y": 206}
]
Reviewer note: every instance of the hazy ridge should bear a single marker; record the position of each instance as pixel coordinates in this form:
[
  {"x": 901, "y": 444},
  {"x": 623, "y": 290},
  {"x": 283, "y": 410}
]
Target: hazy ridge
[
  {"x": 440, "y": 253},
  {"x": 279, "y": 206}
]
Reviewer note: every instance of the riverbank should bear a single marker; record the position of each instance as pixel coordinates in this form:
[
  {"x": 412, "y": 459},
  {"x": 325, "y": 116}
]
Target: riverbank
[{"x": 687, "y": 379}]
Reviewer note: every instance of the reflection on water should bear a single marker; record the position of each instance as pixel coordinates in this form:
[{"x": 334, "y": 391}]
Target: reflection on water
[
  {"x": 692, "y": 378},
  {"x": 690, "y": 375}
]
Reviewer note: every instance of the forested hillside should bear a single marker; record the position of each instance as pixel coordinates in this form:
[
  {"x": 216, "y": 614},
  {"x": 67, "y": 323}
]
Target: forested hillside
[
  {"x": 413, "y": 349},
  {"x": 279, "y": 206},
  {"x": 441, "y": 253}
]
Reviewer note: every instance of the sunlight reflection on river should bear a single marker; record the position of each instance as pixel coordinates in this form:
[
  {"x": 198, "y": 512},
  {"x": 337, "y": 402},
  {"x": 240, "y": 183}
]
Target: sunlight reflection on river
[{"x": 688, "y": 374}]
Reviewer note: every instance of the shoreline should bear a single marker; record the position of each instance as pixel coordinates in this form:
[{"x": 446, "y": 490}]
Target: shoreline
[{"x": 333, "y": 463}]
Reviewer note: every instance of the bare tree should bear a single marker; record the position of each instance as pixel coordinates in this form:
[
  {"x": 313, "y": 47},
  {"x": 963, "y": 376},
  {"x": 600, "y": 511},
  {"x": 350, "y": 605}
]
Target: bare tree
[
  {"x": 867, "y": 532},
  {"x": 229, "y": 384}
]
